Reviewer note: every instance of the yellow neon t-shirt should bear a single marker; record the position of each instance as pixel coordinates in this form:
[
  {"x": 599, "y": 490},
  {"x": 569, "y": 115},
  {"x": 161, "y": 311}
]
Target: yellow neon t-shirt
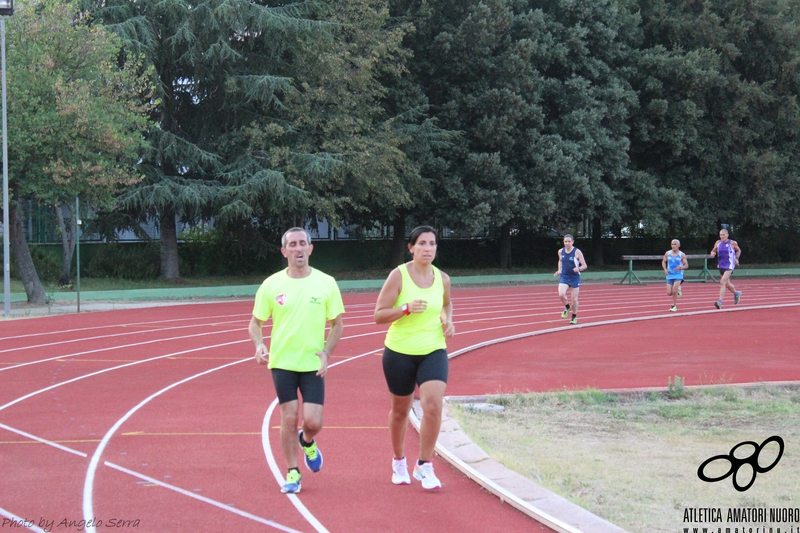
[
  {"x": 300, "y": 309},
  {"x": 418, "y": 333}
]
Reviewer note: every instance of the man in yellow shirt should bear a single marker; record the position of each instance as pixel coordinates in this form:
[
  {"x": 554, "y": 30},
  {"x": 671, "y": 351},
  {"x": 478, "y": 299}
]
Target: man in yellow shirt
[{"x": 301, "y": 301}]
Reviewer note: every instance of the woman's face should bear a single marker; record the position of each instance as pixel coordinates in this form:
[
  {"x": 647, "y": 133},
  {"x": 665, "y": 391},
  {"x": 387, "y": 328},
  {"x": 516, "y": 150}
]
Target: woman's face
[{"x": 424, "y": 249}]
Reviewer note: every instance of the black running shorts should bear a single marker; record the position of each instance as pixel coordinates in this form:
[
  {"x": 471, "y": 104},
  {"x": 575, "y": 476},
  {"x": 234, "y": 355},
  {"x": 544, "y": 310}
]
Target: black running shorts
[
  {"x": 287, "y": 382},
  {"x": 403, "y": 372}
]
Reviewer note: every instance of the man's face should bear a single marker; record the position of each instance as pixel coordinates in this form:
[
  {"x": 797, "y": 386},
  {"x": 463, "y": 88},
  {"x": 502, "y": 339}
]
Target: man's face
[
  {"x": 675, "y": 245},
  {"x": 568, "y": 242},
  {"x": 297, "y": 249}
]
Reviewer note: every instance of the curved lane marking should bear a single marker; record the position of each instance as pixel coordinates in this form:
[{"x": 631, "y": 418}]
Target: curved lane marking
[
  {"x": 273, "y": 465},
  {"x": 88, "y": 484}
]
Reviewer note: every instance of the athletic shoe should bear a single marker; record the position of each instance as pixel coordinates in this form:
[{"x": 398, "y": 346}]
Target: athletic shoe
[
  {"x": 718, "y": 304},
  {"x": 673, "y": 308},
  {"x": 574, "y": 320},
  {"x": 565, "y": 314},
  {"x": 679, "y": 291},
  {"x": 311, "y": 454},
  {"x": 425, "y": 474},
  {"x": 400, "y": 472},
  {"x": 736, "y": 297},
  {"x": 292, "y": 485}
]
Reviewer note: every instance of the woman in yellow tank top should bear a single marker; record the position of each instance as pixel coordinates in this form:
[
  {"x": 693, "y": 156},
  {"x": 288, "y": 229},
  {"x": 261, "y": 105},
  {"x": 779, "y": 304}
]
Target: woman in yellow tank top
[{"x": 415, "y": 300}]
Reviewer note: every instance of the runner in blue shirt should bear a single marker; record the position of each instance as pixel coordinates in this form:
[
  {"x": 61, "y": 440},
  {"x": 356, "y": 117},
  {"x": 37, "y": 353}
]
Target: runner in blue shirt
[
  {"x": 570, "y": 265},
  {"x": 674, "y": 263}
]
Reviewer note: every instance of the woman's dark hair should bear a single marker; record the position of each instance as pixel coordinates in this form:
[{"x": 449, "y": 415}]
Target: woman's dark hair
[{"x": 419, "y": 230}]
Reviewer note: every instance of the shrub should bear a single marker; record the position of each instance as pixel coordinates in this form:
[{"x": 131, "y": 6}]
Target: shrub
[{"x": 127, "y": 261}]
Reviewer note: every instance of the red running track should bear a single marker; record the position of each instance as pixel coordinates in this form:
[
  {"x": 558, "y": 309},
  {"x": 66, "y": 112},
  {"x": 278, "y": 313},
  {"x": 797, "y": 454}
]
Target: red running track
[{"x": 156, "y": 415}]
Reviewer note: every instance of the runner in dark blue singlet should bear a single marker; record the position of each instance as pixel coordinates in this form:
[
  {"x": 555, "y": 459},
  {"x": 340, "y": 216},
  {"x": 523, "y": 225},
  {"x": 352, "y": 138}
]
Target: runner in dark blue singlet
[{"x": 570, "y": 265}]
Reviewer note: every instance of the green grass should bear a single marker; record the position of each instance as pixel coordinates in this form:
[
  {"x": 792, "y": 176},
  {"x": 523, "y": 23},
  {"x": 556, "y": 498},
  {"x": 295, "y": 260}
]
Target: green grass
[
  {"x": 105, "y": 284},
  {"x": 632, "y": 458}
]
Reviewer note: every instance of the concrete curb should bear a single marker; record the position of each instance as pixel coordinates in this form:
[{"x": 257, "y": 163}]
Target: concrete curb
[{"x": 544, "y": 506}]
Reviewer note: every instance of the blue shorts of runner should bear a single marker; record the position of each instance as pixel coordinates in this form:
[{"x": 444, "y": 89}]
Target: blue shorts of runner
[
  {"x": 572, "y": 281},
  {"x": 674, "y": 281},
  {"x": 723, "y": 270},
  {"x": 403, "y": 372},
  {"x": 287, "y": 383}
]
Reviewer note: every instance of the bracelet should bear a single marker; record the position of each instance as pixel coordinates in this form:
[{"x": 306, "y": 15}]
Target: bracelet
[{"x": 261, "y": 343}]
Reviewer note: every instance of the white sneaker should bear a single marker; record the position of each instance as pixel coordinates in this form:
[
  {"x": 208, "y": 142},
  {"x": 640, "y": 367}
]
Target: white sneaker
[
  {"x": 400, "y": 472},
  {"x": 425, "y": 474}
]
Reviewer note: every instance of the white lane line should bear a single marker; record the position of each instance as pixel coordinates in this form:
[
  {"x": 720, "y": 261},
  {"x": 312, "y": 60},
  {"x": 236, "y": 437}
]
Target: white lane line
[
  {"x": 133, "y": 345},
  {"x": 273, "y": 465},
  {"x": 503, "y": 494},
  {"x": 43, "y": 441},
  {"x": 146, "y": 478},
  {"x": 461, "y": 351},
  {"x": 605, "y": 323},
  {"x": 215, "y": 503},
  {"x": 127, "y": 333},
  {"x": 84, "y": 376},
  {"x": 120, "y": 325},
  {"x": 19, "y": 522},
  {"x": 88, "y": 484}
]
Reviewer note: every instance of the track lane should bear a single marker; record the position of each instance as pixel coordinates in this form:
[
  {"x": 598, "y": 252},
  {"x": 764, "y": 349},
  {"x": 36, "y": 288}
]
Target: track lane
[{"x": 479, "y": 314}]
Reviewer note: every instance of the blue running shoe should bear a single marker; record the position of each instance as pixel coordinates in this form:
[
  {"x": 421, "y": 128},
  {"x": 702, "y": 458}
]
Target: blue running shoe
[
  {"x": 718, "y": 304},
  {"x": 292, "y": 485},
  {"x": 736, "y": 297},
  {"x": 311, "y": 454}
]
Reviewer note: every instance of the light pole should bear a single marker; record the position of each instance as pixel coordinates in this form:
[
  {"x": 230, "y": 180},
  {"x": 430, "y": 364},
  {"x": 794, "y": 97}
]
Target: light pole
[{"x": 6, "y": 10}]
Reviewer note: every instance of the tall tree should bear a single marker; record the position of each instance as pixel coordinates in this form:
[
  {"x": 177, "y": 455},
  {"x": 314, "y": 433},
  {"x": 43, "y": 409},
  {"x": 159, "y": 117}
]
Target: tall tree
[
  {"x": 340, "y": 145},
  {"x": 76, "y": 118},
  {"x": 589, "y": 101},
  {"x": 719, "y": 117},
  {"x": 540, "y": 92},
  {"x": 359, "y": 139},
  {"x": 472, "y": 61},
  {"x": 219, "y": 67}
]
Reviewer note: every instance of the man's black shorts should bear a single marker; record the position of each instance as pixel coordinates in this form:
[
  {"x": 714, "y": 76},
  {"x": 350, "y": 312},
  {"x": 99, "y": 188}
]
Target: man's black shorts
[{"x": 287, "y": 382}]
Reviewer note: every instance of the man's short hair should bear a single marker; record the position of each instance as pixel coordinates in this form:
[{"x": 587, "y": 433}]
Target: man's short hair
[
  {"x": 569, "y": 235},
  {"x": 292, "y": 230}
]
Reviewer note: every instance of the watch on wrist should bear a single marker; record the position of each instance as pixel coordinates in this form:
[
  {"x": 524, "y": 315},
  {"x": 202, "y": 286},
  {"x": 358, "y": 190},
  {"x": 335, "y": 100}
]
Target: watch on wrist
[{"x": 406, "y": 310}]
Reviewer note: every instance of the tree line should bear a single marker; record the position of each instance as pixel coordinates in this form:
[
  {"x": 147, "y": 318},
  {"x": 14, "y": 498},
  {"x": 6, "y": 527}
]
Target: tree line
[{"x": 651, "y": 116}]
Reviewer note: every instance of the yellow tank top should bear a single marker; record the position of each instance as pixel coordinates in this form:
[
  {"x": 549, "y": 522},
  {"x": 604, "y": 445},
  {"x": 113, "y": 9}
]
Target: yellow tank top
[{"x": 418, "y": 334}]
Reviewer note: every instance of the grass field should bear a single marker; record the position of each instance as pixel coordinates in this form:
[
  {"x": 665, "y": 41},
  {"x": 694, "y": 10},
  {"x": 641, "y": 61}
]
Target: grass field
[
  {"x": 104, "y": 284},
  {"x": 633, "y": 459}
]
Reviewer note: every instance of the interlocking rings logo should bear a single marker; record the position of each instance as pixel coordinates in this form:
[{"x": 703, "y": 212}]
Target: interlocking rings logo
[{"x": 737, "y": 463}]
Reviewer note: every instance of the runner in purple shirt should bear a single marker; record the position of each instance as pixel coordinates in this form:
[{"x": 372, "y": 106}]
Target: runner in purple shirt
[{"x": 727, "y": 252}]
